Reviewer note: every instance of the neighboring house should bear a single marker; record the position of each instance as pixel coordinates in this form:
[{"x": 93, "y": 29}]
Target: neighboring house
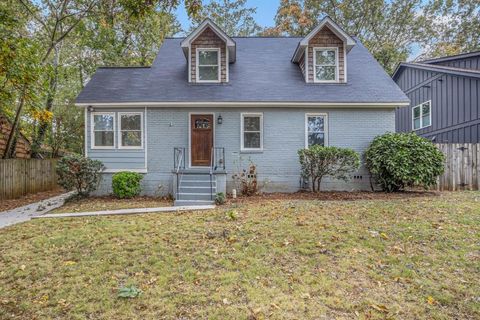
[
  {"x": 212, "y": 102},
  {"x": 22, "y": 146},
  {"x": 445, "y": 98}
]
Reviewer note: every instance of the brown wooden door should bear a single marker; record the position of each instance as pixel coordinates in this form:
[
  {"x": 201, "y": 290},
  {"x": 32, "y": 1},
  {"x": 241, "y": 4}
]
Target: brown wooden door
[{"x": 201, "y": 126}]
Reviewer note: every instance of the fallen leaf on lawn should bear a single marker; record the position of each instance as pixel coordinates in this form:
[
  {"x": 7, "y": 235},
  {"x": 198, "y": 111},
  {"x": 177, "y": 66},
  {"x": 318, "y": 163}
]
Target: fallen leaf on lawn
[
  {"x": 275, "y": 306},
  {"x": 22, "y": 267},
  {"x": 379, "y": 307},
  {"x": 431, "y": 300},
  {"x": 69, "y": 263},
  {"x": 225, "y": 301},
  {"x": 397, "y": 249},
  {"x": 306, "y": 295},
  {"x": 384, "y": 235},
  {"x": 320, "y": 244}
]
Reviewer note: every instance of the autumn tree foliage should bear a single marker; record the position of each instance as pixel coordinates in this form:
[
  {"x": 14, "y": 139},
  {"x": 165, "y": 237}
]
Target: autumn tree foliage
[
  {"x": 232, "y": 16},
  {"x": 390, "y": 28},
  {"x": 50, "y": 49}
]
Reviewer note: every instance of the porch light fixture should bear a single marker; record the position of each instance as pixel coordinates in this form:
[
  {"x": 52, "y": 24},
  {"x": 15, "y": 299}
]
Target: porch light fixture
[
  {"x": 90, "y": 108},
  {"x": 219, "y": 119}
]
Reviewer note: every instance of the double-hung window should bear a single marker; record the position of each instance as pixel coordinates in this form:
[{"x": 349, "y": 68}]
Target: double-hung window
[
  {"x": 208, "y": 65},
  {"x": 315, "y": 129},
  {"x": 252, "y": 131},
  {"x": 422, "y": 115},
  {"x": 103, "y": 130},
  {"x": 325, "y": 62},
  {"x": 131, "y": 124}
]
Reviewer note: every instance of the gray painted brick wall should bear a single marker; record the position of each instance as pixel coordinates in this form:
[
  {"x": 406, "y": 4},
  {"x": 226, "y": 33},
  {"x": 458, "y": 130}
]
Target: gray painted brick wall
[{"x": 284, "y": 134}]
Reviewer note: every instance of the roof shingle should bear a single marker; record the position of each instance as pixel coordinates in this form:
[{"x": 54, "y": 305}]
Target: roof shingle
[{"x": 263, "y": 72}]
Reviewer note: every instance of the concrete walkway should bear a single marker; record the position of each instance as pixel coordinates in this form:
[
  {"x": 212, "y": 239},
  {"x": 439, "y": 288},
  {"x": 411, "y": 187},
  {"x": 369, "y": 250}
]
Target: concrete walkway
[
  {"x": 25, "y": 213},
  {"x": 125, "y": 211}
]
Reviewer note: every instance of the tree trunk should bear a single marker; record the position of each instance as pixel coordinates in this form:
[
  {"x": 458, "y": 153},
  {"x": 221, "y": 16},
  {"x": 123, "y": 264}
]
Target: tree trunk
[
  {"x": 14, "y": 130},
  {"x": 319, "y": 180},
  {"x": 43, "y": 125}
]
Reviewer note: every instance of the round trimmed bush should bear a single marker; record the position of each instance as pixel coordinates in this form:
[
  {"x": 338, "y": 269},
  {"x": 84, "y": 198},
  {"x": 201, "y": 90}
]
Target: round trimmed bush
[
  {"x": 126, "y": 184},
  {"x": 400, "y": 160}
]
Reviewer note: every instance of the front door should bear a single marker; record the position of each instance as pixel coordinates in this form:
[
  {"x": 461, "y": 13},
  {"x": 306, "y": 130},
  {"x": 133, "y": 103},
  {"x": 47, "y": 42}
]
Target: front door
[{"x": 201, "y": 126}]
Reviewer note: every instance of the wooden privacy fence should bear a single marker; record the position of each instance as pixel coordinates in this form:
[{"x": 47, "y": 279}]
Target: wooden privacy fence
[
  {"x": 462, "y": 166},
  {"x": 19, "y": 177}
]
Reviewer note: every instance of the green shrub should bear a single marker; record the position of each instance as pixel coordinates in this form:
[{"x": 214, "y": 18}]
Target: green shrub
[
  {"x": 400, "y": 160},
  {"x": 317, "y": 162},
  {"x": 220, "y": 198},
  {"x": 79, "y": 173},
  {"x": 126, "y": 184}
]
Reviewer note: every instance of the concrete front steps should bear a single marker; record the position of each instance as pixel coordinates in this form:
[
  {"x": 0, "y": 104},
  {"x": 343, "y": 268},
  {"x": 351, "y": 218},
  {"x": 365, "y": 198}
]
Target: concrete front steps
[{"x": 196, "y": 189}]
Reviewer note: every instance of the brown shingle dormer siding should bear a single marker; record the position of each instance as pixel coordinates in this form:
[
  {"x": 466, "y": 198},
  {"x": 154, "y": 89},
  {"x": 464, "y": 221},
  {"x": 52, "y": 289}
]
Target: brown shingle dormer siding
[
  {"x": 208, "y": 39},
  {"x": 326, "y": 38}
]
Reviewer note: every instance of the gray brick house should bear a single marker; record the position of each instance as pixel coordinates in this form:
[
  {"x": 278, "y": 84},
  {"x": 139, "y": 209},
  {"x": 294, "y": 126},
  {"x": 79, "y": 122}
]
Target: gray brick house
[{"x": 210, "y": 104}]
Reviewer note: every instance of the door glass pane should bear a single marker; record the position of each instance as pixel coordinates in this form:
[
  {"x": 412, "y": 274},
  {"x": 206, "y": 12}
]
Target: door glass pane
[
  {"x": 131, "y": 139},
  {"x": 103, "y": 121},
  {"x": 131, "y": 122},
  {"x": 103, "y": 138},
  {"x": 208, "y": 73},
  {"x": 316, "y": 139},
  {"x": 252, "y": 140},
  {"x": 251, "y": 123},
  {"x": 315, "y": 124},
  {"x": 325, "y": 73},
  {"x": 325, "y": 57},
  {"x": 208, "y": 58},
  {"x": 202, "y": 124}
]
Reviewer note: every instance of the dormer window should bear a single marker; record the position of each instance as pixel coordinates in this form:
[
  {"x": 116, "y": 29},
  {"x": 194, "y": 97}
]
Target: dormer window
[
  {"x": 208, "y": 65},
  {"x": 326, "y": 64},
  {"x": 322, "y": 54},
  {"x": 209, "y": 52}
]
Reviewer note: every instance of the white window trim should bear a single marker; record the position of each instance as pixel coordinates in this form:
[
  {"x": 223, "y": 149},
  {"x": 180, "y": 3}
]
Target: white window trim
[
  {"x": 421, "y": 115},
  {"x": 325, "y": 126},
  {"x": 337, "y": 65},
  {"x": 92, "y": 130},
  {"x": 242, "y": 131},
  {"x": 197, "y": 57},
  {"x": 120, "y": 146}
]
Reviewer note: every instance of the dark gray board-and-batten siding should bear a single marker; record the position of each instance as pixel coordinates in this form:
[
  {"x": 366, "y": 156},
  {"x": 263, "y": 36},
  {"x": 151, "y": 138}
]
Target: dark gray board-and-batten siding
[
  {"x": 454, "y": 105},
  {"x": 472, "y": 63}
]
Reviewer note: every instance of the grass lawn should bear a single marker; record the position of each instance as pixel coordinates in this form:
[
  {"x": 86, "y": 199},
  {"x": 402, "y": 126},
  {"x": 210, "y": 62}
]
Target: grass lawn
[{"x": 399, "y": 258}]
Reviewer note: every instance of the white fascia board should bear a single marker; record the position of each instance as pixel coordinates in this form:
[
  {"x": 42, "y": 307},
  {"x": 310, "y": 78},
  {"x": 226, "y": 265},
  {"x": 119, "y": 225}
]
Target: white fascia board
[{"x": 245, "y": 104}]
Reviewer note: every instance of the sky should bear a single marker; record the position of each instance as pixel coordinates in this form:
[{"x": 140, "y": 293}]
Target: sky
[
  {"x": 266, "y": 10},
  {"x": 265, "y": 15}
]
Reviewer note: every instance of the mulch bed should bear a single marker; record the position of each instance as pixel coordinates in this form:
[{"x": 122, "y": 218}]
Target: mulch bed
[
  {"x": 332, "y": 196},
  {"x": 100, "y": 203},
  {"x": 28, "y": 199}
]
